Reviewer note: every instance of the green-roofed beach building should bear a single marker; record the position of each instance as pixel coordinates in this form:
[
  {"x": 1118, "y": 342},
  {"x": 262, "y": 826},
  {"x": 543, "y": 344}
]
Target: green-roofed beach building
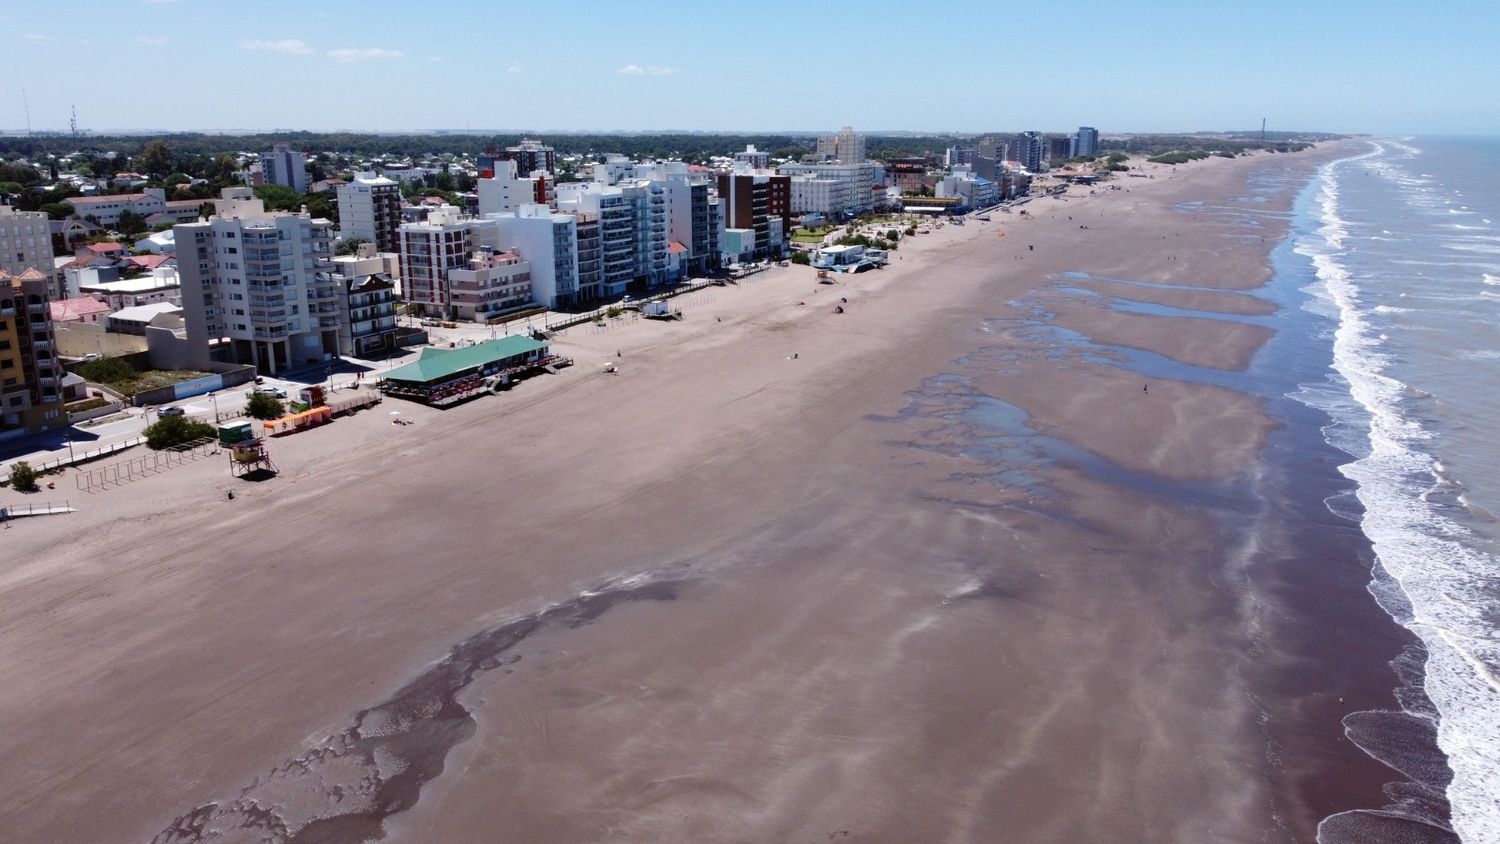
[{"x": 445, "y": 376}]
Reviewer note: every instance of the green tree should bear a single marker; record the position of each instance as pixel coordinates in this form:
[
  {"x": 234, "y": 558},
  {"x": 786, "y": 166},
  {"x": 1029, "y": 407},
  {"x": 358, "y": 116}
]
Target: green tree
[
  {"x": 801, "y": 257},
  {"x": 22, "y": 476},
  {"x": 170, "y": 431},
  {"x": 156, "y": 159},
  {"x": 130, "y": 223},
  {"x": 264, "y": 406},
  {"x": 444, "y": 182},
  {"x": 347, "y": 247},
  {"x": 57, "y": 210},
  {"x": 279, "y": 198}
]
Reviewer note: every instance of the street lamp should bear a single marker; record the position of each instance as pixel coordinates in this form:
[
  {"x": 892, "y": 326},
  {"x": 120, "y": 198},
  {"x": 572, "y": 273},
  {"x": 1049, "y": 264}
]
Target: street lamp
[{"x": 215, "y": 397}]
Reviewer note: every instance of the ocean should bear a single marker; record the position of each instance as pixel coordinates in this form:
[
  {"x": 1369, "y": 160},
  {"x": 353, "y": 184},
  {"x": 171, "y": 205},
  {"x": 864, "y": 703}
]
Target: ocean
[{"x": 1401, "y": 246}]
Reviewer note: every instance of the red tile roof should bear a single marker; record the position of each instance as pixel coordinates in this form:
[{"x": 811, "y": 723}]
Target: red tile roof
[
  {"x": 149, "y": 262},
  {"x": 67, "y": 310},
  {"x": 676, "y": 248}
]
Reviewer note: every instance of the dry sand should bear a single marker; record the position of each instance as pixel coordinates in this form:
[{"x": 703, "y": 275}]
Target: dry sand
[{"x": 728, "y": 594}]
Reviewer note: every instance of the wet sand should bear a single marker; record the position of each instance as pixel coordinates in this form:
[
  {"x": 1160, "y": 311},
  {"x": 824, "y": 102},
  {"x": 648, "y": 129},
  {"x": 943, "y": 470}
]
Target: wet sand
[{"x": 928, "y": 580}]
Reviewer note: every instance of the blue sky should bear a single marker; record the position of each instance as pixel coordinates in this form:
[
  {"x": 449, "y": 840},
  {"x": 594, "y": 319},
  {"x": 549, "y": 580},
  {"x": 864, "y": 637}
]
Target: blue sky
[{"x": 1170, "y": 65}]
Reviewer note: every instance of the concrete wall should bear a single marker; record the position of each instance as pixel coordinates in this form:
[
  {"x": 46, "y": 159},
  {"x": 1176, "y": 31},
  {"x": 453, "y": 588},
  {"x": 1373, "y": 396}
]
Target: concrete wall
[{"x": 77, "y": 339}]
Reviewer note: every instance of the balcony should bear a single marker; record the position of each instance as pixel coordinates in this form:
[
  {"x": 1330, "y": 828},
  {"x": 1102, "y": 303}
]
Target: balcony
[{"x": 278, "y": 333}]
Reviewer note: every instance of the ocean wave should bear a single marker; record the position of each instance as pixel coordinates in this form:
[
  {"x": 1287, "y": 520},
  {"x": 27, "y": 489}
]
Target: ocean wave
[
  {"x": 1478, "y": 248},
  {"x": 1491, "y": 279},
  {"x": 1440, "y": 575}
]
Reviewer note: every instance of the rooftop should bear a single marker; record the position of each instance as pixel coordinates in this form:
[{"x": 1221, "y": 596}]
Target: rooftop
[{"x": 435, "y": 364}]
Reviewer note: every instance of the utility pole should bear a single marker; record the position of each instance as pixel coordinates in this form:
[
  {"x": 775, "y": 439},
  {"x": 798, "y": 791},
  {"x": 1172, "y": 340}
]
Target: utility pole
[
  {"x": 1262, "y": 130},
  {"x": 26, "y": 105}
]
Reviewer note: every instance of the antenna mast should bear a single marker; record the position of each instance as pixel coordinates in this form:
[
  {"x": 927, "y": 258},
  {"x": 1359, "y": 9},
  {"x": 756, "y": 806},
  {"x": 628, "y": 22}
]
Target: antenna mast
[
  {"x": 26, "y": 105},
  {"x": 73, "y": 122},
  {"x": 1262, "y": 130}
]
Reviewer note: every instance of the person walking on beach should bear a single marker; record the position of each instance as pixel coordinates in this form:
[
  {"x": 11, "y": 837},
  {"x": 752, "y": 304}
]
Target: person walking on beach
[{"x": 1146, "y": 388}]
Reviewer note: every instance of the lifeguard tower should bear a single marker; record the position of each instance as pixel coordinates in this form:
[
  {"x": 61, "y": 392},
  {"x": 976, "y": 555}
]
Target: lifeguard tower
[{"x": 249, "y": 456}]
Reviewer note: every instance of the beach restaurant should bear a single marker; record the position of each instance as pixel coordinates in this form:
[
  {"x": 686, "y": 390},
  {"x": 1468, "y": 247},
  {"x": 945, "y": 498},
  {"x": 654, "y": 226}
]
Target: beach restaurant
[{"x": 444, "y": 376}]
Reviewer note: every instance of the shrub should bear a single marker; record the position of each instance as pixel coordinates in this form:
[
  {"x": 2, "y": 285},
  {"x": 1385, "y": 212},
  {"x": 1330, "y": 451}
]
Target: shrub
[
  {"x": 22, "y": 476},
  {"x": 106, "y": 371},
  {"x": 171, "y": 431},
  {"x": 264, "y": 406},
  {"x": 801, "y": 257}
]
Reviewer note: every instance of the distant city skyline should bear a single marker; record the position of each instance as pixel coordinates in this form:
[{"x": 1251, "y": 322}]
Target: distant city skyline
[{"x": 387, "y": 66}]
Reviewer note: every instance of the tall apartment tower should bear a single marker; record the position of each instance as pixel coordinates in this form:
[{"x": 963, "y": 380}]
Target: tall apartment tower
[
  {"x": 370, "y": 210},
  {"x": 430, "y": 249},
  {"x": 26, "y": 244},
  {"x": 846, "y": 147},
  {"x": 284, "y": 166},
  {"x": 258, "y": 287},
  {"x": 30, "y": 375},
  {"x": 1031, "y": 150},
  {"x": 1059, "y": 147},
  {"x": 531, "y": 155},
  {"x": 761, "y": 202},
  {"x": 1086, "y": 141}
]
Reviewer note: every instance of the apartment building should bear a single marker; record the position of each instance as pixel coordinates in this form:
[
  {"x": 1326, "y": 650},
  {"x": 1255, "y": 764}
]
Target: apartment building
[
  {"x": 428, "y": 250},
  {"x": 31, "y": 394},
  {"x": 530, "y": 155},
  {"x": 491, "y": 284},
  {"x": 859, "y": 179},
  {"x": 753, "y": 158},
  {"x": 284, "y": 166},
  {"x": 632, "y": 226},
  {"x": 1030, "y": 150},
  {"x": 692, "y": 211},
  {"x": 370, "y": 210},
  {"x": 501, "y": 190},
  {"x": 551, "y": 244},
  {"x": 1059, "y": 147},
  {"x": 26, "y": 243},
  {"x": 257, "y": 287},
  {"x": 846, "y": 146},
  {"x": 974, "y": 190},
  {"x": 820, "y": 195},
  {"x": 907, "y": 173},
  {"x": 760, "y": 202},
  {"x": 106, "y": 210},
  {"x": 1086, "y": 141},
  {"x": 367, "y": 305}
]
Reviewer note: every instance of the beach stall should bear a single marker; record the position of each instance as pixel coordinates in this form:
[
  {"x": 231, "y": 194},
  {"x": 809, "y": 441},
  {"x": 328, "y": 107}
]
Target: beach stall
[{"x": 299, "y": 421}]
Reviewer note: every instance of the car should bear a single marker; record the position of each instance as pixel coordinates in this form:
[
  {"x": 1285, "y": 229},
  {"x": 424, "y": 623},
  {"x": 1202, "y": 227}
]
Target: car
[
  {"x": 169, "y": 411},
  {"x": 274, "y": 391},
  {"x": 627, "y": 300}
]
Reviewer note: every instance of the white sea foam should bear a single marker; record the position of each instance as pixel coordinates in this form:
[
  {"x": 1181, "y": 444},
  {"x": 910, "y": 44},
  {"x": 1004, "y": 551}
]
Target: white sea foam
[
  {"x": 1491, "y": 278},
  {"x": 1439, "y": 572}
]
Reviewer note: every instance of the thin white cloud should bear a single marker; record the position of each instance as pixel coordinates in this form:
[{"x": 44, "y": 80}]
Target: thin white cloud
[
  {"x": 644, "y": 70},
  {"x": 37, "y": 36},
  {"x": 292, "y": 46},
  {"x": 362, "y": 54},
  {"x": 435, "y": 59},
  {"x": 157, "y": 40},
  {"x": 515, "y": 67}
]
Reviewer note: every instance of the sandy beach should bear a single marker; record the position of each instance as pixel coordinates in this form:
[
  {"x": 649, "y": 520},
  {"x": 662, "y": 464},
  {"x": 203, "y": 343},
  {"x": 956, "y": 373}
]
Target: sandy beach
[{"x": 927, "y": 570}]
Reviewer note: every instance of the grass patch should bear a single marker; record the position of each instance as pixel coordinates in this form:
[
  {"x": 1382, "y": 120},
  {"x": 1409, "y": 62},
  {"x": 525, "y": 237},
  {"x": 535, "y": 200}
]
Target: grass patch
[
  {"x": 86, "y": 404},
  {"x": 119, "y": 375}
]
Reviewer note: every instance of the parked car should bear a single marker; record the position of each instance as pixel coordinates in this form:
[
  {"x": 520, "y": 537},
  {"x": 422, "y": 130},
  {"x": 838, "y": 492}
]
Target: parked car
[
  {"x": 169, "y": 411},
  {"x": 273, "y": 390}
]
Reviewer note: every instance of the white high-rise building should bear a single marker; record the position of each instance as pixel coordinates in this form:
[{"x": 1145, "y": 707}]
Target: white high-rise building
[
  {"x": 258, "y": 287},
  {"x": 857, "y": 195},
  {"x": 26, "y": 243},
  {"x": 812, "y": 194},
  {"x": 284, "y": 166},
  {"x": 370, "y": 210},
  {"x": 548, "y": 240},
  {"x": 633, "y": 237},
  {"x": 506, "y": 191}
]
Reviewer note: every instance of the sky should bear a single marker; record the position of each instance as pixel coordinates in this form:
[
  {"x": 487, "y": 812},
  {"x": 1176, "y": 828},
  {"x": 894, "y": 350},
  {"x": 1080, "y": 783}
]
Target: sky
[{"x": 955, "y": 66}]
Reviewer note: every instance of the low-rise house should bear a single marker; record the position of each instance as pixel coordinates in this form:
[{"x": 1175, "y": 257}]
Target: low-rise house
[
  {"x": 84, "y": 310},
  {"x": 160, "y": 285},
  {"x": 135, "y": 320}
]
